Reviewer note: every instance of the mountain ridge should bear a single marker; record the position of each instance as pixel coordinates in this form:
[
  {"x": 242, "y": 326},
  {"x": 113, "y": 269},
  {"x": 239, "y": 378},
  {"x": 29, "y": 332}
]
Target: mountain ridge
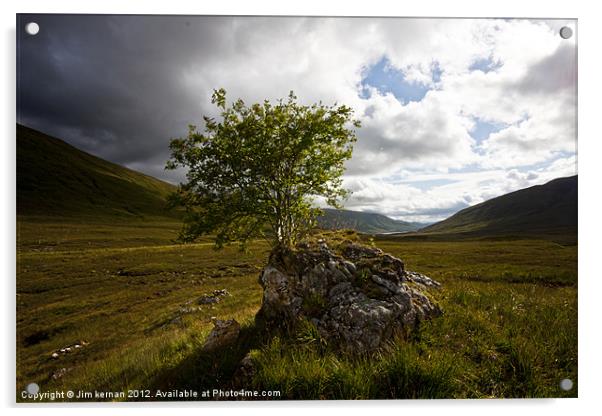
[
  {"x": 55, "y": 178},
  {"x": 550, "y": 208},
  {"x": 366, "y": 222}
]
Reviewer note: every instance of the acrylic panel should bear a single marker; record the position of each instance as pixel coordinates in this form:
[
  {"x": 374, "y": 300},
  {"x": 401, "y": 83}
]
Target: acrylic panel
[{"x": 295, "y": 208}]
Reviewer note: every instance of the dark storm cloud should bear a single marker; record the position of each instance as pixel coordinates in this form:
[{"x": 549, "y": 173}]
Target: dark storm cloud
[{"x": 113, "y": 85}]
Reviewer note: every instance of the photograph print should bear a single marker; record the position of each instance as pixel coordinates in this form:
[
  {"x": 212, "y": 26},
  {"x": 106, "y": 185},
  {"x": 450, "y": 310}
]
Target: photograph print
[{"x": 226, "y": 208}]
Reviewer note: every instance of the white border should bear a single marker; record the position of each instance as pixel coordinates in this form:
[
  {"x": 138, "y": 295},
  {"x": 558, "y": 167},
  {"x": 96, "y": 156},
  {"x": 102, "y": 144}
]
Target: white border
[{"x": 590, "y": 35}]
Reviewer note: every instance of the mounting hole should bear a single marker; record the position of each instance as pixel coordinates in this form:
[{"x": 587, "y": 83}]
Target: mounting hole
[
  {"x": 32, "y": 28},
  {"x": 33, "y": 388},
  {"x": 566, "y": 384},
  {"x": 566, "y": 32}
]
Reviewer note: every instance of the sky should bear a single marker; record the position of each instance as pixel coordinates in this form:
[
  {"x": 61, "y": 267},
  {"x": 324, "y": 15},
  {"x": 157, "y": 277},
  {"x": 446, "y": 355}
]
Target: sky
[{"x": 453, "y": 111}]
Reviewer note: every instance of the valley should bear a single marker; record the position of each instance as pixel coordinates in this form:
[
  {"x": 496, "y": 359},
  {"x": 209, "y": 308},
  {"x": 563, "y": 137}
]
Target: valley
[{"x": 108, "y": 299}]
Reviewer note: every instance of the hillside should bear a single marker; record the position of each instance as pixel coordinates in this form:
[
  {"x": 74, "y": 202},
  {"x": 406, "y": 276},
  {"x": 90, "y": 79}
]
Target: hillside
[
  {"x": 539, "y": 210},
  {"x": 56, "y": 179},
  {"x": 365, "y": 222}
]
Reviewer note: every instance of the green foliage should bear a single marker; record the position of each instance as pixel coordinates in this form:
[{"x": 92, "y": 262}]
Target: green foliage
[
  {"x": 314, "y": 304},
  {"x": 406, "y": 372},
  {"x": 261, "y": 165},
  {"x": 306, "y": 333},
  {"x": 362, "y": 277}
]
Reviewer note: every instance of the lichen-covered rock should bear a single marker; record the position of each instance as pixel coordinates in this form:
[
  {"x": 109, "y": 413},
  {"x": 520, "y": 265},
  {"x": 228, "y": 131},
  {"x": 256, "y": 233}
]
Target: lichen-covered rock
[{"x": 358, "y": 299}]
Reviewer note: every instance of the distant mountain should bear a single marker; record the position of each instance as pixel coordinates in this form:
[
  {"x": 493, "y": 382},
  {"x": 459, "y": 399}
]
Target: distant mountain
[
  {"x": 539, "y": 210},
  {"x": 56, "y": 179},
  {"x": 365, "y": 222}
]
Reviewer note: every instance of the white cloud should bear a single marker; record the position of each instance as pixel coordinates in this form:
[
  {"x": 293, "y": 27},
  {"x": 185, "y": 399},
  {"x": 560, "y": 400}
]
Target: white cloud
[
  {"x": 415, "y": 135},
  {"x": 158, "y": 73},
  {"x": 531, "y": 90},
  {"x": 406, "y": 199}
]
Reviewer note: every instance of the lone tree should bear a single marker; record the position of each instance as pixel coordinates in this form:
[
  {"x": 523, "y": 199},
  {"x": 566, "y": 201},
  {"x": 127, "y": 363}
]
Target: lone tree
[{"x": 259, "y": 168}]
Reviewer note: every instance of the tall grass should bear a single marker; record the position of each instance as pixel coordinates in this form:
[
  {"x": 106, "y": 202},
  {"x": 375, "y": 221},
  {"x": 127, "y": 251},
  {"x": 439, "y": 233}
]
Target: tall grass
[{"x": 494, "y": 340}]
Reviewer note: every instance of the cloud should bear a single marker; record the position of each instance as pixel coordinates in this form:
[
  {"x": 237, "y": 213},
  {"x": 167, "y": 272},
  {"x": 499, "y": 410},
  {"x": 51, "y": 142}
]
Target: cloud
[
  {"x": 411, "y": 135},
  {"x": 121, "y": 86},
  {"x": 406, "y": 199}
]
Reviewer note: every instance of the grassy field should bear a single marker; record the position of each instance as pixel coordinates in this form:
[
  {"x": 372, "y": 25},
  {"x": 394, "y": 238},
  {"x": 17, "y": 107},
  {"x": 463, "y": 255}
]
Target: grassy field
[
  {"x": 128, "y": 296},
  {"x": 509, "y": 329}
]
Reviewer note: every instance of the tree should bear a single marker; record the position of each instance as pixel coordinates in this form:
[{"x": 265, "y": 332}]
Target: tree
[{"x": 261, "y": 167}]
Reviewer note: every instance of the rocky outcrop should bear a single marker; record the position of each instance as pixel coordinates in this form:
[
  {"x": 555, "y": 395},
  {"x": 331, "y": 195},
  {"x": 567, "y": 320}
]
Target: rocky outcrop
[{"x": 358, "y": 297}]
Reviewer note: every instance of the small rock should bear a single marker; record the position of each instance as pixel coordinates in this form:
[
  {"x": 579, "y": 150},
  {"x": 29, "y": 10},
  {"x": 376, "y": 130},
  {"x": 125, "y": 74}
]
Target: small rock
[
  {"x": 55, "y": 355},
  {"x": 220, "y": 292},
  {"x": 421, "y": 279},
  {"x": 224, "y": 332},
  {"x": 205, "y": 300},
  {"x": 214, "y": 297},
  {"x": 350, "y": 267},
  {"x": 176, "y": 321},
  {"x": 188, "y": 309},
  {"x": 245, "y": 371},
  {"x": 60, "y": 373}
]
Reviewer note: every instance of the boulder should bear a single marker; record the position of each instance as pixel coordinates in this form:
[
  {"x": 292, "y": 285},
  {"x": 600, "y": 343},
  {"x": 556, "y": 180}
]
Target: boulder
[
  {"x": 224, "y": 332},
  {"x": 358, "y": 297}
]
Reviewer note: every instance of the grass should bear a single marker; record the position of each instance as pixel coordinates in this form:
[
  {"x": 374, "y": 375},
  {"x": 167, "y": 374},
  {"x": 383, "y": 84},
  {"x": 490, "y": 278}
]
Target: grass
[
  {"x": 49, "y": 234},
  {"x": 509, "y": 327},
  {"x": 513, "y": 261},
  {"x": 127, "y": 303}
]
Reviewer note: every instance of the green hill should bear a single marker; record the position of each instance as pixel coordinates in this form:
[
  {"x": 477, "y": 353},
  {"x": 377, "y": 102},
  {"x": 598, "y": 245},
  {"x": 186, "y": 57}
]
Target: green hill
[
  {"x": 549, "y": 209},
  {"x": 365, "y": 222},
  {"x": 56, "y": 179}
]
